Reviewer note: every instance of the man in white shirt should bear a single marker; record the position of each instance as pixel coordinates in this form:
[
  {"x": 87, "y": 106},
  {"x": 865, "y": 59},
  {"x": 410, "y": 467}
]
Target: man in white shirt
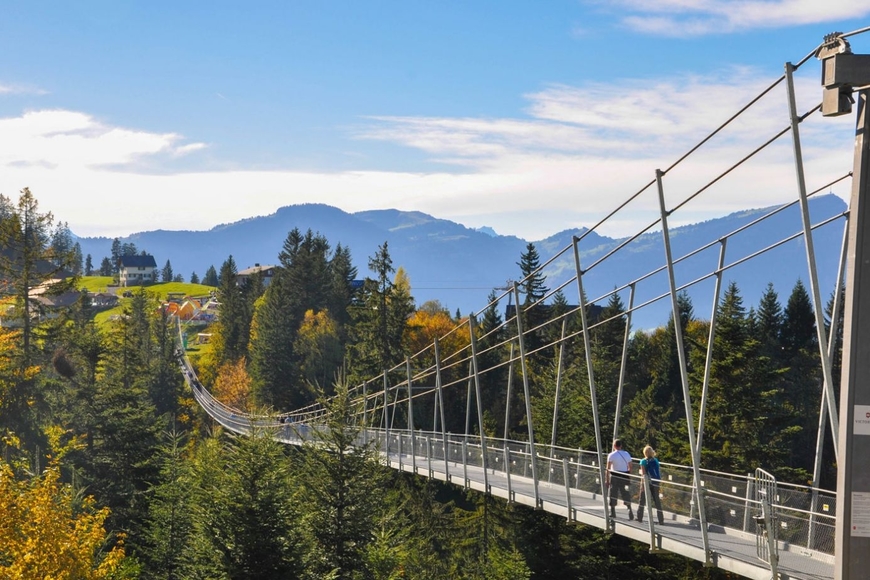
[{"x": 618, "y": 468}]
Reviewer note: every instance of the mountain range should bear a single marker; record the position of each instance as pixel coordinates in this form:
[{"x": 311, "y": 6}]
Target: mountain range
[{"x": 459, "y": 266}]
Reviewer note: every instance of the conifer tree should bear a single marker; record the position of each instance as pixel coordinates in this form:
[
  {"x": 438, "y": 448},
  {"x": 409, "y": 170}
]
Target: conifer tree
[
  {"x": 61, "y": 245},
  {"x": 380, "y": 320},
  {"x": 305, "y": 259},
  {"x": 234, "y": 323},
  {"x": 769, "y": 318},
  {"x": 89, "y": 266},
  {"x": 493, "y": 384},
  {"x": 194, "y": 279},
  {"x": 27, "y": 262},
  {"x": 169, "y": 526},
  {"x": 116, "y": 256},
  {"x": 342, "y": 275},
  {"x": 532, "y": 288},
  {"x": 106, "y": 267},
  {"x": 607, "y": 343},
  {"x": 802, "y": 378},
  {"x": 166, "y": 273},
  {"x": 657, "y": 414},
  {"x": 211, "y": 277},
  {"x": 122, "y": 461},
  {"x": 245, "y": 519},
  {"x": 342, "y": 493},
  {"x": 533, "y": 285},
  {"x": 274, "y": 369},
  {"x": 77, "y": 261},
  {"x": 742, "y": 430}
]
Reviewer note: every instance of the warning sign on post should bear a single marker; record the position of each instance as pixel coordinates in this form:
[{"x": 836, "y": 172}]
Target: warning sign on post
[
  {"x": 860, "y": 514},
  {"x": 861, "y": 426}
]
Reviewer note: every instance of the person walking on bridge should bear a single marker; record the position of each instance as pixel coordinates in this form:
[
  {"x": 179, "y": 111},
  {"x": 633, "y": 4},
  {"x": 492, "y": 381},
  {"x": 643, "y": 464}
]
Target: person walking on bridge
[
  {"x": 618, "y": 468},
  {"x": 650, "y": 465}
]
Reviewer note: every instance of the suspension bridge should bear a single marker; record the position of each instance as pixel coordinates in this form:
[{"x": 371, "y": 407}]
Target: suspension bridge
[{"x": 747, "y": 523}]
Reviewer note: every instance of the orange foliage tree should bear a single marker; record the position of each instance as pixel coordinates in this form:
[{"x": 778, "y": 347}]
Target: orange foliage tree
[
  {"x": 425, "y": 326},
  {"x": 233, "y": 385}
]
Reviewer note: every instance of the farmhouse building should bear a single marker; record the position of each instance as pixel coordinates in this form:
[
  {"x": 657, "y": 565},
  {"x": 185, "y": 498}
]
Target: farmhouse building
[
  {"x": 265, "y": 272},
  {"x": 137, "y": 270}
]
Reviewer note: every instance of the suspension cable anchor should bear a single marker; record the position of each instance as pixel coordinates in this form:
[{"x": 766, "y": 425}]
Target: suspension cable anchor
[{"x": 842, "y": 71}]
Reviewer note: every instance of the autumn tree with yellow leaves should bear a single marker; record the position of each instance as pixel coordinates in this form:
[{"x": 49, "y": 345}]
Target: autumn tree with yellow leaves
[
  {"x": 47, "y": 532},
  {"x": 233, "y": 386}
]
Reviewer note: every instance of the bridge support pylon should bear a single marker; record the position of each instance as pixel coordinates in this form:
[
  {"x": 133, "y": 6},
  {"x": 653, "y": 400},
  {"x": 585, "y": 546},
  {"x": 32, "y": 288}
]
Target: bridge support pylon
[{"x": 841, "y": 71}]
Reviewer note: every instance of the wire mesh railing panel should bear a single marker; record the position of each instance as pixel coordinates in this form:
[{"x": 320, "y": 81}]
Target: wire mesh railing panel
[
  {"x": 728, "y": 512},
  {"x": 586, "y": 477},
  {"x": 678, "y": 500}
]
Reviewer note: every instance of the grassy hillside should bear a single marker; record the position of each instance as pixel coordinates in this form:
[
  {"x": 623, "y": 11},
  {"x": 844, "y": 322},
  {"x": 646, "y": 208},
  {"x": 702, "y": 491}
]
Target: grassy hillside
[
  {"x": 96, "y": 284},
  {"x": 159, "y": 290}
]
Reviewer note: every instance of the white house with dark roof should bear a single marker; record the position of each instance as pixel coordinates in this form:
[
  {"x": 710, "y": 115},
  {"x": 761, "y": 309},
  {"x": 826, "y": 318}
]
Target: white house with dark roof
[
  {"x": 137, "y": 270},
  {"x": 265, "y": 271}
]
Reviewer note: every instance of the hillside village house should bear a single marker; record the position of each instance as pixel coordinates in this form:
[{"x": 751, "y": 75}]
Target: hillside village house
[
  {"x": 137, "y": 270},
  {"x": 265, "y": 271}
]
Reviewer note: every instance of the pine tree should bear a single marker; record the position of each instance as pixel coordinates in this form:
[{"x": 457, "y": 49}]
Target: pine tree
[
  {"x": 116, "y": 256},
  {"x": 379, "y": 323},
  {"x": 769, "y": 318},
  {"x": 533, "y": 284},
  {"x": 802, "y": 378},
  {"x": 77, "y": 267},
  {"x": 27, "y": 262},
  {"x": 165, "y": 384},
  {"x": 61, "y": 245},
  {"x": 166, "y": 273},
  {"x": 234, "y": 323},
  {"x": 306, "y": 263},
  {"x": 106, "y": 267},
  {"x": 736, "y": 406},
  {"x": 342, "y": 493},
  {"x": 493, "y": 384},
  {"x": 657, "y": 414},
  {"x": 194, "y": 279},
  {"x": 245, "y": 519},
  {"x": 211, "y": 277},
  {"x": 169, "y": 526},
  {"x": 89, "y": 266},
  {"x": 607, "y": 343},
  {"x": 273, "y": 367},
  {"x": 342, "y": 275},
  {"x": 533, "y": 288}
]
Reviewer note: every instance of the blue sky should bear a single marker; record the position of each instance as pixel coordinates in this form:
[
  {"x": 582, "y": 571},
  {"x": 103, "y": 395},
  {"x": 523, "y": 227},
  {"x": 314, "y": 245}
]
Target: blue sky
[{"x": 529, "y": 117}]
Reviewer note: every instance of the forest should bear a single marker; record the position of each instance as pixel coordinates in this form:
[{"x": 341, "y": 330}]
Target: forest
[{"x": 110, "y": 470}]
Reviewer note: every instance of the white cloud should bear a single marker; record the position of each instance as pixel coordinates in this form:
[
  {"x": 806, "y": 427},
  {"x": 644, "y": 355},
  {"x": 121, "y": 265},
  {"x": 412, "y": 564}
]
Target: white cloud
[
  {"x": 16, "y": 89},
  {"x": 574, "y": 157},
  {"x": 69, "y": 138},
  {"x": 700, "y": 17}
]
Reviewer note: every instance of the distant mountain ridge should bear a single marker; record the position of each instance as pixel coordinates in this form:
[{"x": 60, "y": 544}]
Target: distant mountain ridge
[{"x": 459, "y": 266}]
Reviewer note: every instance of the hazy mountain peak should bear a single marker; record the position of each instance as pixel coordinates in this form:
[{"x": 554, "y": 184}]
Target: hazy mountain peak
[{"x": 487, "y": 230}]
